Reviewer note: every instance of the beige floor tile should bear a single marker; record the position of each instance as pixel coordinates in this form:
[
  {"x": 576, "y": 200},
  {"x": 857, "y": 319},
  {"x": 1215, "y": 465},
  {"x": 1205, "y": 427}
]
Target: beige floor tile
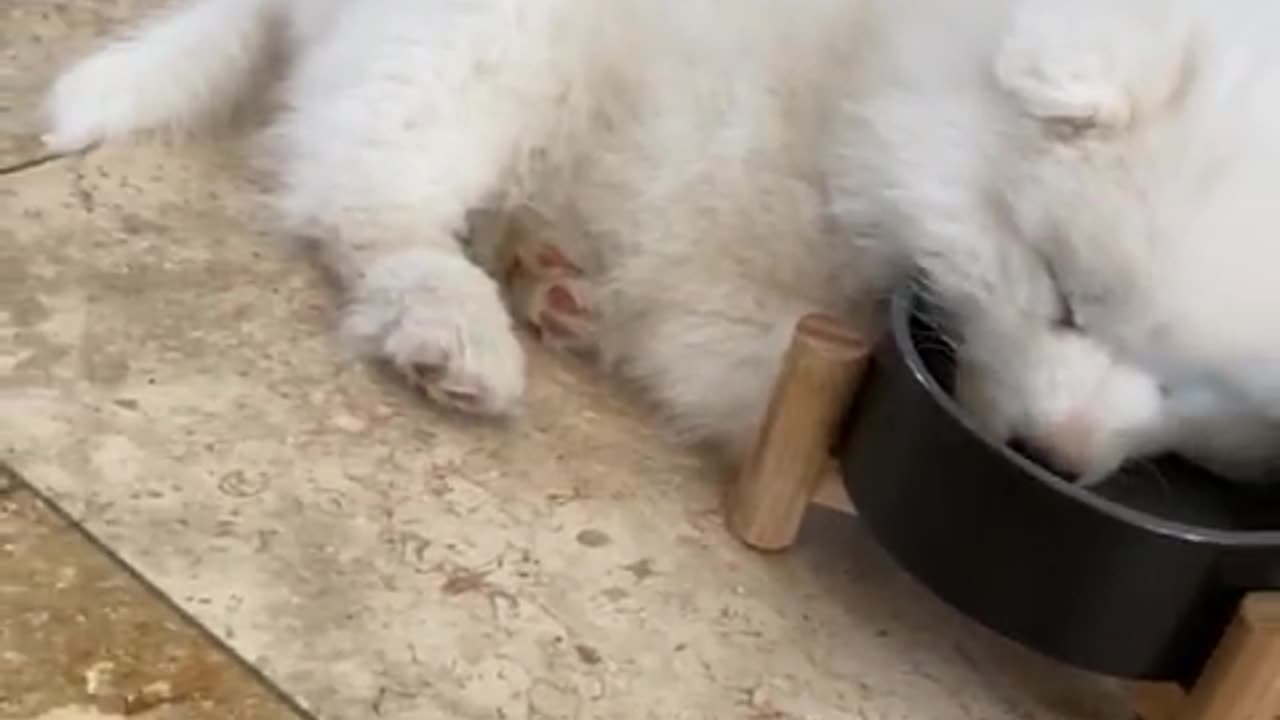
[
  {"x": 82, "y": 639},
  {"x": 167, "y": 373}
]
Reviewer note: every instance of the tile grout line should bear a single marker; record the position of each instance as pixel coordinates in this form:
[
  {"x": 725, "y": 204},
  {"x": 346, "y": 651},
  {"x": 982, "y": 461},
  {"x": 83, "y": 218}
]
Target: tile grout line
[
  {"x": 13, "y": 482},
  {"x": 10, "y": 481},
  {"x": 21, "y": 166}
]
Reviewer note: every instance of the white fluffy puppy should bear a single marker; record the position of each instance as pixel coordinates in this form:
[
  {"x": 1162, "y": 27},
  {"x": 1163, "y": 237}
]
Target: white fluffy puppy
[{"x": 1089, "y": 185}]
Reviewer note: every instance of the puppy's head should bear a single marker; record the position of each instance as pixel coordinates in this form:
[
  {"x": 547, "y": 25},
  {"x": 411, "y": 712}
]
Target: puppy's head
[{"x": 1139, "y": 196}]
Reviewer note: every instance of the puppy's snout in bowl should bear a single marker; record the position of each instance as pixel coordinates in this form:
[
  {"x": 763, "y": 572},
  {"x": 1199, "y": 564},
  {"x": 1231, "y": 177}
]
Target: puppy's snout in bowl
[
  {"x": 1074, "y": 408},
  {"x": 1075, "y": 448},
  {"x": 1046, "y": 455},
  {"x": 1067, "y": 447},
  {"x": 1162, "y": 548}
]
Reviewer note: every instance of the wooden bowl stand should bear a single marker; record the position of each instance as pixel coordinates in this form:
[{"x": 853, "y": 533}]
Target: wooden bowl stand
[{"x": 790, "y": 469}]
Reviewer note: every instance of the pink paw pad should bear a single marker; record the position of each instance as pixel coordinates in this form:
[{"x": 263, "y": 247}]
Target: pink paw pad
[
  {"x": 549, "y": 291},
  {"x": 560, "y": 310}
]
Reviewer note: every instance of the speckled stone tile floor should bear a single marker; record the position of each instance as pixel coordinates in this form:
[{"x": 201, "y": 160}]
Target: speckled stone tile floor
[
  {"x": 168, "y": 377},
  {"x": 83, "y": 639}
]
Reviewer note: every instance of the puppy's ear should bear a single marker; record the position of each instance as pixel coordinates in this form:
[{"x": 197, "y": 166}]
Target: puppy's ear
[{"x": 1094, "y": 63}]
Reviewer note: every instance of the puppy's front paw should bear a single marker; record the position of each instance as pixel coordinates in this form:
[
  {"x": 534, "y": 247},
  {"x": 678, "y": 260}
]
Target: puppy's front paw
[{"x": 441, "y": 322}]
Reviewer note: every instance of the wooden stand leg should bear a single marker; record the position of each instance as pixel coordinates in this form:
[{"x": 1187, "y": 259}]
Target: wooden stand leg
[
  {"x": 1241, "y": 680},
  {"x": 1158, "y": 701},
  {"x": 821, "y": 369}
]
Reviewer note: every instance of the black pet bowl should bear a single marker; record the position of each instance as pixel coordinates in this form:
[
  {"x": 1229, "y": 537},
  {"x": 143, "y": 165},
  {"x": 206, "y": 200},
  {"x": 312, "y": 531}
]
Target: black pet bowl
[{"x": 1136, "y": 577}]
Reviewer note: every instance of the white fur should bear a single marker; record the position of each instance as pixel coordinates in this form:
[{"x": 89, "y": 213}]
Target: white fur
[{"x": 730, "y": 165}]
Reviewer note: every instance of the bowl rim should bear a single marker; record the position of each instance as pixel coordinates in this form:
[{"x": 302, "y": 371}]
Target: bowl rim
[{"x": 902, "y": 309}]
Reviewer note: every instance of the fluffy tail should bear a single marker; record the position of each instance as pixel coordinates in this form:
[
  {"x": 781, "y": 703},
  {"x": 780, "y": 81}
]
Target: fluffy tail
[{"x": 176, "y": 70}]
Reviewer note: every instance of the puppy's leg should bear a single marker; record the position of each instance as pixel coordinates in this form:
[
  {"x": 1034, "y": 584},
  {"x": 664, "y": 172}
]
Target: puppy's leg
[
  {"x": 178, "y": 69},
  {"x": 395, "y": 135},
  {"x": 707, "y": 282},
  {"x": 708, "y": 354}
]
